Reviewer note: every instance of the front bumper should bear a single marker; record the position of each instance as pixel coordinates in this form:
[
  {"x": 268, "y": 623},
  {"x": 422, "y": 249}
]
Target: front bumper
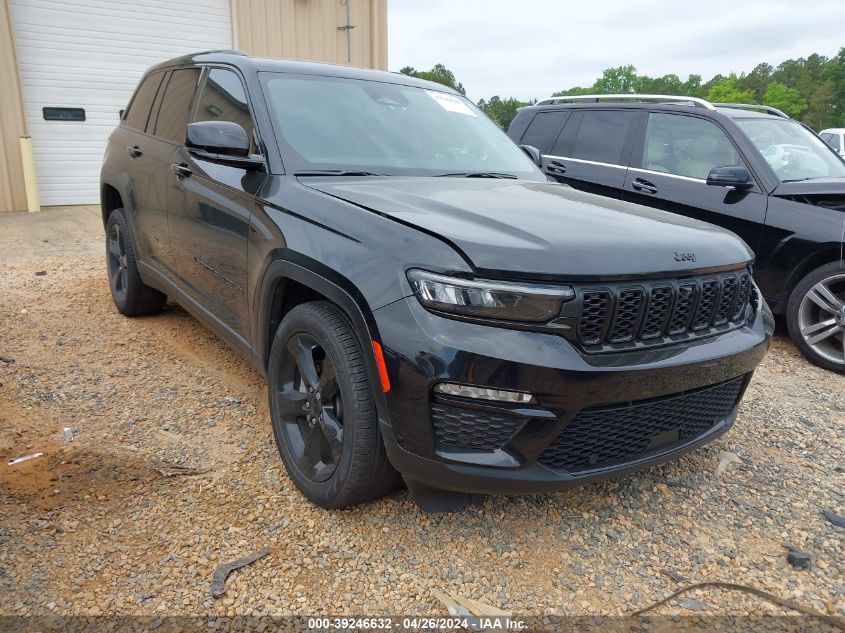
[{"x": 422, "y": 349}]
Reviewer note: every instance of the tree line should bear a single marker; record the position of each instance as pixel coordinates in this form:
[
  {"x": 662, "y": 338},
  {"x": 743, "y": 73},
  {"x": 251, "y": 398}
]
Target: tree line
[{"x": 810, "y": 89}]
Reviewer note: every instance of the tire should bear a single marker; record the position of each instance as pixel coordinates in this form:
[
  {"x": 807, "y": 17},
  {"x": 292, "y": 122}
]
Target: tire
[
  {"x": 815, "y": 316},
  {"x": 131, "y": 295},
  {"x": 322, "y": 410}
]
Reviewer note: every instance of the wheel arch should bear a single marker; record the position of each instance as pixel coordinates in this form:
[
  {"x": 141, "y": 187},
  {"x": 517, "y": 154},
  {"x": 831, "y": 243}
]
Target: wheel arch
[
  {"x": 827, "y": 254},
  {"x": 290, "y": 279},
  {"x": 111, "y": 198}
]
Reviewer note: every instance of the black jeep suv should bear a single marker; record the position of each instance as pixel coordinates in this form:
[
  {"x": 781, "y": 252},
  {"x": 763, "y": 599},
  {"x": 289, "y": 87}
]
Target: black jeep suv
[
  {"x": 747, "y": 168},
  {"x": 419, "y": 296}
]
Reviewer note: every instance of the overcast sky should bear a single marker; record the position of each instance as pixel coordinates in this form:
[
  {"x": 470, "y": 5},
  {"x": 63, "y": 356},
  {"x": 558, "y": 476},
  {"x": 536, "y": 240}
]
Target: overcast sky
[{"x": 531, "y": 48}]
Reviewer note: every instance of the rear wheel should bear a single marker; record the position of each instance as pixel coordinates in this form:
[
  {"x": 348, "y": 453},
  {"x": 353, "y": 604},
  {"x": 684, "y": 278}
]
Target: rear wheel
[
  {"x": 131, "y": 295},
  {"x": 816, "y": 316},
  {"x": 322, "y": 409}
]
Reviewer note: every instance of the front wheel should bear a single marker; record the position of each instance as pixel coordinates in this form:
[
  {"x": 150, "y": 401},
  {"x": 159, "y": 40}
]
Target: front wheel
[
  {"x": 322, "y": 409},
  {"x": 815, "y": 316}
]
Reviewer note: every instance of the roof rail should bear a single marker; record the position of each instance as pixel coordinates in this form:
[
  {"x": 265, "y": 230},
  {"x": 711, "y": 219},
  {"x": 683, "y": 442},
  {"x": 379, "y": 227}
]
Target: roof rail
[
  {"x": 228, "y": 51},
  {"x": 751, "y": 106},
  {"x": 701, "y": 103}
]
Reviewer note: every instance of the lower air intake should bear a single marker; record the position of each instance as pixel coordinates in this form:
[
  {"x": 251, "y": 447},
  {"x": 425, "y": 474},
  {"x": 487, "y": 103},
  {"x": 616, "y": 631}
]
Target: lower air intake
[{"x": 609, "y": 435}]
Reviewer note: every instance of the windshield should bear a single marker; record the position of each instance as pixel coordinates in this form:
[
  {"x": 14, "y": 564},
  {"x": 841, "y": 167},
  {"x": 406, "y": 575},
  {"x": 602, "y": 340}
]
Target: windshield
[
  {"x": 794, "y": 152},
  {"x": 369, "y": 127}
]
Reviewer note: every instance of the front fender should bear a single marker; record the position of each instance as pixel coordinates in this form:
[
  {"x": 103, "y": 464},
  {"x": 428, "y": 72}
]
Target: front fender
[{"x": 285, "y": 264}]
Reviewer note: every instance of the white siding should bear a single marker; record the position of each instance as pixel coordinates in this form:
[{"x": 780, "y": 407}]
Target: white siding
[{"x": 91, "y": 54}]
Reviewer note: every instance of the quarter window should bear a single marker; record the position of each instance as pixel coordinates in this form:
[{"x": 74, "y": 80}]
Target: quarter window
[
  {"x": 602, "y": 136},
  {"x": 139, "y": 110},
  {"x": 223, "y": 98},
  {"x": 175, "y": 109},
  {"x": 543, "y": 129},
  {"x": 686, "y": 146}
]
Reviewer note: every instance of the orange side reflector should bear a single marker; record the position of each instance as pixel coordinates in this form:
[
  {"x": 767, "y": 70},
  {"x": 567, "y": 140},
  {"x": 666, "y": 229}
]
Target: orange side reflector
[{"x": 382, "y": 368}]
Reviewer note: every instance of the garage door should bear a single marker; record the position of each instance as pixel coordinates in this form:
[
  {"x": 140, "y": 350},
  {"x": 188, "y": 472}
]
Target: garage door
[{"x": 90, "y": 54}]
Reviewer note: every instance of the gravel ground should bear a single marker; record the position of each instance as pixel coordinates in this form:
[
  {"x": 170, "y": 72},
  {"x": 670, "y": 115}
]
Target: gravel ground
[{"x": 93, "y": 527}]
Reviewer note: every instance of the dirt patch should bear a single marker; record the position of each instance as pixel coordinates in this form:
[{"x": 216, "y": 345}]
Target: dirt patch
[{"x": 68, "y": 475}]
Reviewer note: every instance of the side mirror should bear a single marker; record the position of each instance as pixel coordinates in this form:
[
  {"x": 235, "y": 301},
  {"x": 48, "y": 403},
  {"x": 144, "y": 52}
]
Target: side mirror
[
  {"x": 225, "y": 138},
  {"x": 734, "y": 176},
  {"x": 533, "y": 153}
]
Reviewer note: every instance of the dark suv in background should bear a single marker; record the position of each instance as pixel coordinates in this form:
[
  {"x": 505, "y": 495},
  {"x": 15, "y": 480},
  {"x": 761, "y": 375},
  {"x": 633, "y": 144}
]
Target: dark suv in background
[
  {"x": 747, "y": 168},
  {"x": 420, "y": 298}
]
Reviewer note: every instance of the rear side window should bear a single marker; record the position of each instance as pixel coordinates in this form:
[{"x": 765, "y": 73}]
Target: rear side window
[
  {"x": 175, "y": 110},
  {"x": 602, "y": 136},
  {"x": 223, "y": 98},
  {"x": 139, "y": 110},
  {"x": 543, "y": 129}
]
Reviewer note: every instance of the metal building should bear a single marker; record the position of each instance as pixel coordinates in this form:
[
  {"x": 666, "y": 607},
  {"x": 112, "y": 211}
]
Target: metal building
[{"x": 67, "y": 68}]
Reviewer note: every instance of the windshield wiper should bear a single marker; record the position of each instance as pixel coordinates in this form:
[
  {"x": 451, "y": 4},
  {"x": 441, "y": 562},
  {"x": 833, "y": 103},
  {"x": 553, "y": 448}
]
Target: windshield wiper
[
  {"x": 335, "y": 172},
  {"x": 479, "y": 174}
]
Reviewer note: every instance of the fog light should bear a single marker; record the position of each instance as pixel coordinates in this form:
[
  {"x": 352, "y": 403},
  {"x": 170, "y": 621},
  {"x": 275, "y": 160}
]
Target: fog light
[{"x": 484, "y": 393}]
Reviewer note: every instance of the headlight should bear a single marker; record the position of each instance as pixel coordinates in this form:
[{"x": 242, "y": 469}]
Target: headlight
[{"x": 489, "y": 299}]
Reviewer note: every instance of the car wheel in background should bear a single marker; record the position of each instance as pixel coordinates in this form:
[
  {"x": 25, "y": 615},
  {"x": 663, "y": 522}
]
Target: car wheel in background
[{"x": 815, "y": 316}]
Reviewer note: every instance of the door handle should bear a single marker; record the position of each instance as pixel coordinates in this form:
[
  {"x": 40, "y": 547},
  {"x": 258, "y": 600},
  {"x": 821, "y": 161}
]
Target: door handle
[
  {"x": 181, "y": 170},
  {"x": 556, "y": 167},
  {"x": 644, "y": 185},
  {"x": 135, "y": 151}
]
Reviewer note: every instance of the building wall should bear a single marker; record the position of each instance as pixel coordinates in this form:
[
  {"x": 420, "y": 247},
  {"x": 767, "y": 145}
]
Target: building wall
[
  {"x": 308, "y": 30},
  {"x": 12, "y": 127}
]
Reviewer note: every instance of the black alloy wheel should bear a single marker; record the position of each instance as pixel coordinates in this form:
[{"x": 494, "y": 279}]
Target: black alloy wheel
[
  {"x": 311, "y": 407},
  {"x": 117, "y": 264}
]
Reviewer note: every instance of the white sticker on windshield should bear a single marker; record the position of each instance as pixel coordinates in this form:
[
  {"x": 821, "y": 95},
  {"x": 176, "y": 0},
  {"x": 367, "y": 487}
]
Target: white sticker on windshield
[{"x": 450, "y": 102}]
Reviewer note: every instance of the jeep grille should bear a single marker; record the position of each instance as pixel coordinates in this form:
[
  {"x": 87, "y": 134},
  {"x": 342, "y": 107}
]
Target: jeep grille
[{"x": 628, "y": 315}]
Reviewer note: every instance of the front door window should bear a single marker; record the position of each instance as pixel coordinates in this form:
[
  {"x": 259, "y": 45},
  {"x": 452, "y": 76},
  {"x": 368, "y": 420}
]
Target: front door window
[
  {"x": 686, "y": 146},
  {"x": 223, "y": 98}
]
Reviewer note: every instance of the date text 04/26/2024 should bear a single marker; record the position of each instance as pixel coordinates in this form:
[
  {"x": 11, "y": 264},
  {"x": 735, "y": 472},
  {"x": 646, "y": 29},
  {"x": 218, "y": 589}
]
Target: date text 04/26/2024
[{"x": 466, "y": 623}]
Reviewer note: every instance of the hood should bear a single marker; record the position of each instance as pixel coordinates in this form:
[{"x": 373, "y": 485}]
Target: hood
[
  {"x": 816, "y": 186},
  {"x": 536, "y": 229}
]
